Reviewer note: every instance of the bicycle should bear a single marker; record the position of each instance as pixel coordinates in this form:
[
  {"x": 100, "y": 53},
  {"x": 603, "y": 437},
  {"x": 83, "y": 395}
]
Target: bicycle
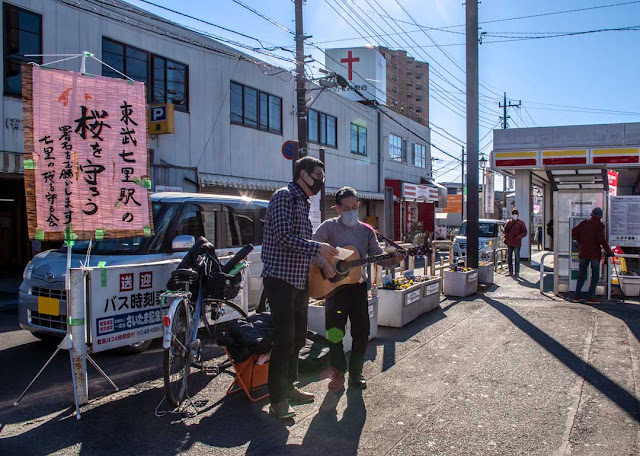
[{"x": 187, "y": 310}]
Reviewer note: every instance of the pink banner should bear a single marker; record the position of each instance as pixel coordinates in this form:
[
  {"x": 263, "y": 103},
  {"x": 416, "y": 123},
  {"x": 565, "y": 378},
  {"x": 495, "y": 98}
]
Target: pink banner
[{"x": 89, "y": 156}]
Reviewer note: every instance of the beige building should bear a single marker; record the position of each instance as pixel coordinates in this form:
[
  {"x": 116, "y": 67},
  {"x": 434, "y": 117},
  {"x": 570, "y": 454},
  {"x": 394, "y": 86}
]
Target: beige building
[{"x": 407, "y": 85}]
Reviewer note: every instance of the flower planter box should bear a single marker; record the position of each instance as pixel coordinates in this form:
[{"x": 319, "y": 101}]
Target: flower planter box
[
  {"x": 630, "y": 285},
  {"x": 485, "y": 274},
  {"x": 396, "y": 308},
  {"x": 460, "y": 284},
  {"x": 316, "y": 322}
]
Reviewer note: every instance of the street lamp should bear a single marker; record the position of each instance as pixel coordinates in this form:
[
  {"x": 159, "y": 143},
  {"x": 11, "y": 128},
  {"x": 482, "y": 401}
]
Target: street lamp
[{"x": 483, "y": 164}]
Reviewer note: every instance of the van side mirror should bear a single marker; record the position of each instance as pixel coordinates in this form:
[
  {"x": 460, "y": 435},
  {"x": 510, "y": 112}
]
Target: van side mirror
[{"x": 183, "y": 243}]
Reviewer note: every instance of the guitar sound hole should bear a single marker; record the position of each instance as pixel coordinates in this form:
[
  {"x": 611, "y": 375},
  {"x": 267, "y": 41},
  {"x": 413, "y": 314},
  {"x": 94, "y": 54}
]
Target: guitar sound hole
[{"x": 342, "y": 267}]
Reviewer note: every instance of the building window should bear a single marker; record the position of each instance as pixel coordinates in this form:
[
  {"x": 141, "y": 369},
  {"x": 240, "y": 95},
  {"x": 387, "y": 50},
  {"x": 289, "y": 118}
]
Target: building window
[
  {"x": 419, "y": 153},
  {"x": 419, "y": 87},
  {"x": 253, "y": 108},
  {"x": 395, "y": 66},
  {"x": 167, "y": 81},
  {"x": 418, "y": 75},
  {"x": 418, "y": 65},
  {"x": 323, "y": 128},
  {"x": 418, "y": 109},
  {"x": 395, "y": 78},
  {"x": 22, "y": 36},
  {"x": 397, "y": 148},
  {"x": 409, "y": 95},
  {"x": 358, "y": 139},
  {"x": 394, "y": 89},
  {"x": 418, "y": 98},
  {"x": 170, "y": 82},
  {"x": 409, "y": 73}
]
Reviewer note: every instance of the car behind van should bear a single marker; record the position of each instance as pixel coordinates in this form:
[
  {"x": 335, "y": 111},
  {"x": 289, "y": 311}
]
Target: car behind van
[
  {"x": 490, "y": 238},
  {"x": 226, "y": 221}
]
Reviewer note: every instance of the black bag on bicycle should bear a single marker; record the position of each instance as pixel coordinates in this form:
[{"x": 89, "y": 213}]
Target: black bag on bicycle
[{"x": 223, "y": 286}]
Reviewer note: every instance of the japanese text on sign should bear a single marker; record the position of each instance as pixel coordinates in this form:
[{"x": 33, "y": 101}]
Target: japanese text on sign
[{"x": 90, "y": 169}]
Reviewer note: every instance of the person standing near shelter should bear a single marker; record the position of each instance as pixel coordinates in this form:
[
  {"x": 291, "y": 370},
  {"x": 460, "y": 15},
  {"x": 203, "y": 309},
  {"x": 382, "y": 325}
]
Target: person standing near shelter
[
  {"x": 349, "y": 301},
  {"x": 514, "y": 232},
  {"x": 287, "y": 250},
  {"x": 590, "y": 237},
  {"x": 539, "y": 237}
]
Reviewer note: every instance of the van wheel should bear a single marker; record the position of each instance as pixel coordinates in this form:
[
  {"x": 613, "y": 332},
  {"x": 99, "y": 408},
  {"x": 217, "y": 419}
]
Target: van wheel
[{"x": 136, "y": 348}]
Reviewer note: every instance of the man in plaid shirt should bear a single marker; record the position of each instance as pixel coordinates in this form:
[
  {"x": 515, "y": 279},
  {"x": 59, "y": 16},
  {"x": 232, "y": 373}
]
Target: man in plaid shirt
[{"x": 287, "y": 250}]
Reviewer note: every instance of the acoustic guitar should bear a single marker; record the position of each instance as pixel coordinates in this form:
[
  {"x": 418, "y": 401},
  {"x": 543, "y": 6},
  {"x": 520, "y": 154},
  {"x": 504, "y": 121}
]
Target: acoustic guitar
[{"x": 348, "y": 271}]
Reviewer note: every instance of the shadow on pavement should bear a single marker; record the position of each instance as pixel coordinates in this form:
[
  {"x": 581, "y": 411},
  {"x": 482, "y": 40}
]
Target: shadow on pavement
[
  {"x": 617, "y": 394},
  {"x": 389, "y": 337},
  {"x": 326, "y": 434}
]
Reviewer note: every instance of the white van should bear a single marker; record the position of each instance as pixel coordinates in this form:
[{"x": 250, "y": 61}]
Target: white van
[{"x": 228, "y": 222}]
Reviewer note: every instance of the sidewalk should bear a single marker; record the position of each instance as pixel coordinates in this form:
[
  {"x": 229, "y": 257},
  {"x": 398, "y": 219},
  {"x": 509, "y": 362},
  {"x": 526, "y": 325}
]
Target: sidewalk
[{"x": 509, "y": 371}]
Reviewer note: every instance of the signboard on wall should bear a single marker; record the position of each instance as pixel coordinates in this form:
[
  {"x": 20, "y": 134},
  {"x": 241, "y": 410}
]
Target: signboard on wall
[
  {"x": 489, "y": 199},
  {"x": 613, "y": 182},
  {"x": 625, "y": 232},
  {"x": 454, "y": 204},
  {"x": 126, "y": 304},
  {"x": 364, "y": 68},
  {"x": 160, "y": 118},
  {"x": 314, "y": 211},
  {"x": 86, "y": 160},
  {"x": 418, "y": 192}
]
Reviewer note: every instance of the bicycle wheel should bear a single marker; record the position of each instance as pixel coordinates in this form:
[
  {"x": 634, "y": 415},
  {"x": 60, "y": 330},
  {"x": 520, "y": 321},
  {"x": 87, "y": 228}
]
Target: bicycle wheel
[
  {"x": 222, "y": 312},
  {"x": 176, "y": 358}
]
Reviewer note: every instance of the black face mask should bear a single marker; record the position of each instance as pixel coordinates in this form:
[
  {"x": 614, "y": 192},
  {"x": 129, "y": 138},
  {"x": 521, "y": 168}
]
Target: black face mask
[{"x": 316, "y": 186}]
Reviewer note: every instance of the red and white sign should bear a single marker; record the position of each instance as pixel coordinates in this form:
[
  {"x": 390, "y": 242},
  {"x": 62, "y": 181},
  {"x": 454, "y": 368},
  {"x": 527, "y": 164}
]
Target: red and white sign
[
  {"x": 126, "y": 281},
  {"x": 364, "y": 67},
  {"x": 146, "y": 279},
  {"x": 613, "y": 182},
  {"x": 425, "y": 193}
]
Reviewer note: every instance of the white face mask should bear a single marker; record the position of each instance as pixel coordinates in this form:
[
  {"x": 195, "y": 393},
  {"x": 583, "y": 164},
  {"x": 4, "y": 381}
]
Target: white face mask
[
  {"x": 515, "y": 216},
  {"x": 349, "y": 218}
]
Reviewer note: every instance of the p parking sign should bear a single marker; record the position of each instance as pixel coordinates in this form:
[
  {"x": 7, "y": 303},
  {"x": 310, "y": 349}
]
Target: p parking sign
[{"x": 160, "y": 119}]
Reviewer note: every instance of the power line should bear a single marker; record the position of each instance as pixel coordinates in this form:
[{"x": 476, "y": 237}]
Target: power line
[{"x": 268, "y": 19}]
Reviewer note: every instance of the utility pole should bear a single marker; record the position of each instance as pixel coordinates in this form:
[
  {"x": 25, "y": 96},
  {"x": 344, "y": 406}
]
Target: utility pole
[
  {"x": 462, "y": 188},
  {"x": 471, "y": 7},
  {"x": 505, "y": 124},
  {"x": 504, "y": 105},
  {"x": 300, "y": 85}
]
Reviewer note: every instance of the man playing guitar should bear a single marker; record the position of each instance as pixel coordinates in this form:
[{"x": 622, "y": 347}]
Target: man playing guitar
[{"x": 349, "y": 301}]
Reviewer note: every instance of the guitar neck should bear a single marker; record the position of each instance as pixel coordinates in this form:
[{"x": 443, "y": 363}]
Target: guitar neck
[{"x": 377, "y": 259}]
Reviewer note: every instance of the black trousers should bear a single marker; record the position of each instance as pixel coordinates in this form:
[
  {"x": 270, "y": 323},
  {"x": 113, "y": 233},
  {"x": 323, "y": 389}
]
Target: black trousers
[
  {"x": 289, "y": 307},
  {"x": 348, "y": 302}
]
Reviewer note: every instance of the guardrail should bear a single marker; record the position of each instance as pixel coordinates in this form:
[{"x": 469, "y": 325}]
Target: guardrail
[
  {"x": 501, "y": 253},
  {"x": 542, "y": 271},
  {"x": 438, "y": 246}
]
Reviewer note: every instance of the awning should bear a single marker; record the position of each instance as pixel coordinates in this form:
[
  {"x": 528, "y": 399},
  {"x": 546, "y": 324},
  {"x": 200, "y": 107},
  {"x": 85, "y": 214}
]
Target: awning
[{"x": 218, "y": 180}]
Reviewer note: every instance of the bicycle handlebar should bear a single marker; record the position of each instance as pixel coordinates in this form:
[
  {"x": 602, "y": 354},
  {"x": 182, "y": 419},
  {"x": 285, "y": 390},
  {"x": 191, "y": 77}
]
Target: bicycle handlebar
[{"x": 241, "y": 255}]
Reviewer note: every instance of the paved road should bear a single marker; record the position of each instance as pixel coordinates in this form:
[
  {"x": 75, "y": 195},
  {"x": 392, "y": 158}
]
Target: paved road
[{"x": 509, "y": 371}]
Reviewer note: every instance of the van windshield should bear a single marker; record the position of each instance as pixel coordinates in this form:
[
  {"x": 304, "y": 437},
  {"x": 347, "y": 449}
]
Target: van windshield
[
  {"x": 162, "y": 214},
  {"x": 485, "y": 229}
]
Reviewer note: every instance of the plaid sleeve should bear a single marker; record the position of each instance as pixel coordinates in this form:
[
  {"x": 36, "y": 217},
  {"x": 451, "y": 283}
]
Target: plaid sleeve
[
  {"x": 321, "y": 236},
  {"x": 282, "y": 216}
]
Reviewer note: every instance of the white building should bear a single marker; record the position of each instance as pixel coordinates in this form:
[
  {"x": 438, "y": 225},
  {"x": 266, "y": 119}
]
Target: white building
[{"x": 232, "y": 112}]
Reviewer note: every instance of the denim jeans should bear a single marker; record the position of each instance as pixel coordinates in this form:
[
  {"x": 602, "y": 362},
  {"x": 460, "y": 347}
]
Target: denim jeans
[
  {"x": 582, "y": 276},
  {"x": 289, "y": 308},
  {"x": 510, "y": 252}
]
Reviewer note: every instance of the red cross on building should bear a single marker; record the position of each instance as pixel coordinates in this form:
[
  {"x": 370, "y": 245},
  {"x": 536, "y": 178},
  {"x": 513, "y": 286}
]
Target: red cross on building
[{"x": 349, "y": 61}]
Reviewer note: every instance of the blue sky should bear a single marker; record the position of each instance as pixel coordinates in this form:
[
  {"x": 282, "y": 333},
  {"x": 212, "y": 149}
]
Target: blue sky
[{"x": 597, "y": 71}]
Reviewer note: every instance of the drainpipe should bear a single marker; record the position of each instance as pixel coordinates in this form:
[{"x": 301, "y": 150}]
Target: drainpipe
[{"x": 379, "y": 151}]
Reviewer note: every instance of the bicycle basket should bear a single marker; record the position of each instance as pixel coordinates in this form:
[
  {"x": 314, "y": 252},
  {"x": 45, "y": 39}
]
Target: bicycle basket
[{"x": 223, "y": 286}]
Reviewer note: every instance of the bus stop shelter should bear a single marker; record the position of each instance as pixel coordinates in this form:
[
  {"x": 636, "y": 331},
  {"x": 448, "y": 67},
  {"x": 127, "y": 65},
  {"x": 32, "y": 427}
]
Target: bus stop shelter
[{"x": 578, "y": 168}]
